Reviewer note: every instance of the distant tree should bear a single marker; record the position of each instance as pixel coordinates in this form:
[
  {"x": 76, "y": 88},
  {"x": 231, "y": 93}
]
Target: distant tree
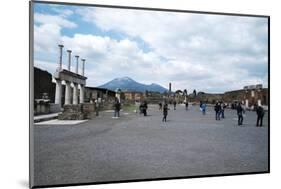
[
  {"x": 185, "y": 92},
  {"x": 178, "y": 92},
  {"x": 200, "y": 93},
  {"x": 194, "y": 93}
]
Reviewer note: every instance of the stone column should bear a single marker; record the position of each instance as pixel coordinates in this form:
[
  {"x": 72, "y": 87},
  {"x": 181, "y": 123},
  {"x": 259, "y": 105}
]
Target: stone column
[
  {"x": 69, "y": 60},
  {"x": 60, "y": 58},
  {"x": 77, "y": 63},
  {"x": 58, "y": 92},
  {"x": 81, "y": 94},
  {"x": 83, "y": 66},
  {"x": 75, "y": 93},
  {"x": 67, "y": 93}
]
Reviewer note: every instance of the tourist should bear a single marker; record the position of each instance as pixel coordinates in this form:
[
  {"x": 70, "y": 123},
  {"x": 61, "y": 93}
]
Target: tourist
[
  {"x": 217, "y": 109},
  {"x": 141, "y": 107},
  {"x": 186, "y": 105},
  {"x": 222, "y": 110},
  {"x": 175, "y": 104},
  {"x": 96, "y": 107},
  {"x": 240, "y": 112},
  {"x": 165, "y": 112},
  {"x": 203, "y": 108},
  {"x": 117, "y": 107},
  {"x": 260, "y": 114},
  {"x": 145, "y": 108},
  {"x": 160, "y": 106}
]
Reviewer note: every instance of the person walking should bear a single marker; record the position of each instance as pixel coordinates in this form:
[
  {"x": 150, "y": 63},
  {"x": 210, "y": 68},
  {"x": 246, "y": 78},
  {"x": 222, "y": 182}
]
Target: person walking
[
  {"x": 203, "y": 107},
  {"x": 96, "y": 104},
  {"x": 175, "y": 104},
  {"x": 165, "y": 112},
  {"x": 260, "y": 114},
  {"x": 222, "y": 110},
  {"x": 145, "y": 108},
  {"x": 217, "y": 110},
  {"x": 186, "y": 105},
  {"x": 117, "y": 107},
  {"x": 240, "y": 112},
  {"x": 160, "y": 105},
  {"x": 141, "y": 108}
]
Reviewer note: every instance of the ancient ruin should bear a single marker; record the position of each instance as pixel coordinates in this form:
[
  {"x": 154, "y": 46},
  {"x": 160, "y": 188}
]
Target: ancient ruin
[{"x": 74, "y": 107}]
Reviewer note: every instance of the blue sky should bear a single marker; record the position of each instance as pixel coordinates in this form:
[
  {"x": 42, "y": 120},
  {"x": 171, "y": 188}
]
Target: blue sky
[{"x": 211, "y": 53}]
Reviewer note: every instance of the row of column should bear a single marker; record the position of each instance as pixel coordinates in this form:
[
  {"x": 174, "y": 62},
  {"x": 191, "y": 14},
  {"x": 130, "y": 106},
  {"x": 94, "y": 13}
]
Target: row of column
[
  {"x": 67, "y": 99},
  {"x": 69, "y": 61},
  {"x": 58, "y": 94}
]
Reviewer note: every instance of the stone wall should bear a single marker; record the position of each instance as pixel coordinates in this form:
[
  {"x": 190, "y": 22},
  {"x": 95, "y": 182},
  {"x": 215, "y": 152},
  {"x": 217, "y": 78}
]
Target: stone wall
[
  {"x": 78, "y": 112},
  {"x": 232, "y": 96}
]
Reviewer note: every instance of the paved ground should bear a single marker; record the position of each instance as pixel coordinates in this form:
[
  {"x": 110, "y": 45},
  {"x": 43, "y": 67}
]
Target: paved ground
[
  {"x": 60, "y": 122},
  {"x": 137, "y": 147}
]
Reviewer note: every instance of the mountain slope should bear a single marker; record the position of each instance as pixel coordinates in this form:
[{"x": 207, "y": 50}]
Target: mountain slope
[{"x": 128, "y": 84}]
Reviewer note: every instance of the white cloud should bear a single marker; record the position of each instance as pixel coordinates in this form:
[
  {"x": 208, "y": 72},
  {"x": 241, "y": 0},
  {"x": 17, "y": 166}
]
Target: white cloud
[
  {"x": 57, "y": 20},
  {"x": 47, "y": 31},
  {"x": 211, "y": 48},
  {"x": 209, "y": 53}
]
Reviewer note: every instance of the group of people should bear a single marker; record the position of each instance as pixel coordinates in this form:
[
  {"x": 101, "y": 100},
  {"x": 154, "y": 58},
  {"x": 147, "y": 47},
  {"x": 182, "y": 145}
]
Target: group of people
[
  {"x": 143, "y": 108},
  {"x": 219, "y": 109},
  {"x": 259, "y": 111}
]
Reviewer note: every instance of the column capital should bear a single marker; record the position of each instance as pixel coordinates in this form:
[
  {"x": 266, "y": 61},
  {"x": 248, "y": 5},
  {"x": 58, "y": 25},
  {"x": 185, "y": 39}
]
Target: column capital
[{"x": 60, "y": 45}]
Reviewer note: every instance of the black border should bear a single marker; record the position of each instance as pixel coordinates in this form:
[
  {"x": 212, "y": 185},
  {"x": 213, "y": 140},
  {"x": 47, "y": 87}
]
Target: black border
[{"x": 31, "y": 61}]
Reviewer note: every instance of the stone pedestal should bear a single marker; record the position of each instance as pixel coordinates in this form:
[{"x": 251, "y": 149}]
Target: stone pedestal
[{"x": 78, "y": 112}]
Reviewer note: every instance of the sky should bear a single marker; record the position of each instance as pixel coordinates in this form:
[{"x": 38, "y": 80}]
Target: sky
[{"x": 209, "y": 53}]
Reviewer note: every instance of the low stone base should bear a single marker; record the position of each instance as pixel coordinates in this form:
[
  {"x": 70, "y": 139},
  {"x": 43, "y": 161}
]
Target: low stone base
[
  {"x": 77, "y": 112},
  {"x": 54, "y": 108}
]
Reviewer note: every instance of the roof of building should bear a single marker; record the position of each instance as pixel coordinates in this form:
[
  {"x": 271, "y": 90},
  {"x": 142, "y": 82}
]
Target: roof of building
[{"x": 100, "y": 89}]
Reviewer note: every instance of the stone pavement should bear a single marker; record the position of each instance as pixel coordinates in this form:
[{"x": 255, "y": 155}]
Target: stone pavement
[
  {"x": 138, "y": 147},
  {"x": 45, "y": 117}
]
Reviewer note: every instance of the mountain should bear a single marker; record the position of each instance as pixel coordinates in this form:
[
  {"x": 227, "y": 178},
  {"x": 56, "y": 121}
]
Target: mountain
[{"x": 128, "y": 84}]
